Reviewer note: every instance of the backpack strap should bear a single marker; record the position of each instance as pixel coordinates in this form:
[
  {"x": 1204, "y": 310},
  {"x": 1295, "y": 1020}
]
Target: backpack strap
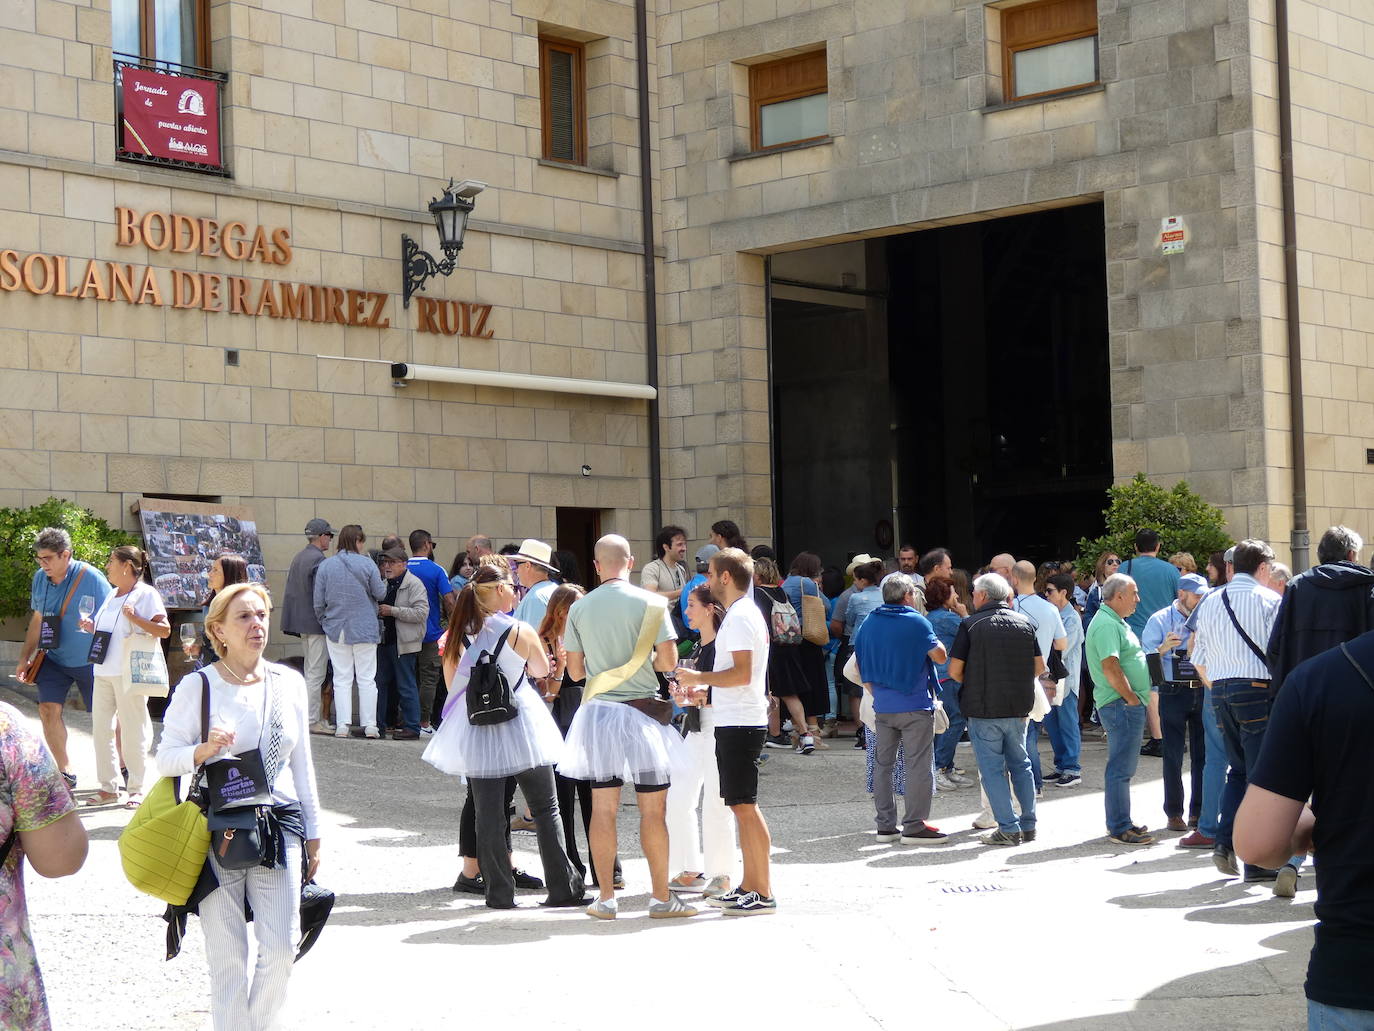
[{"x": 1358, "y": 668}]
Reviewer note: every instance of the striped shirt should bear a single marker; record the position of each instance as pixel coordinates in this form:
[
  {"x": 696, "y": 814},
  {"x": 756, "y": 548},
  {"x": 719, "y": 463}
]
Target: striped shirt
[{"x": 1218, "y": 648}]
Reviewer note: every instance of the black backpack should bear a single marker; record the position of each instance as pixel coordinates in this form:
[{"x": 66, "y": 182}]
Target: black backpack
[{"x": 491, "y": 699}]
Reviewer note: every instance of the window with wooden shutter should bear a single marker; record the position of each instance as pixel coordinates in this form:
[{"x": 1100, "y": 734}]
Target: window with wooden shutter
[
  {"x": 563, "y": 99},
  {"x": 789, "y": 100},
  {"x": 1049, "y": 47}
]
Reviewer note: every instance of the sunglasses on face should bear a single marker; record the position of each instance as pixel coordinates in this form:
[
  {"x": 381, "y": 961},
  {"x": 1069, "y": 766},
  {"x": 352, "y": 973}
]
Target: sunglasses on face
[{"x": 1113, "y": 561}]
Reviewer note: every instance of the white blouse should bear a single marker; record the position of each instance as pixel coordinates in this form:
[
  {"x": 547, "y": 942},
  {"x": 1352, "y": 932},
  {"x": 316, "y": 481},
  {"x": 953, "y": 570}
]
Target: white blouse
[
  {"x": 181, "y": 732},
  {"x": 110, "y": 617}
]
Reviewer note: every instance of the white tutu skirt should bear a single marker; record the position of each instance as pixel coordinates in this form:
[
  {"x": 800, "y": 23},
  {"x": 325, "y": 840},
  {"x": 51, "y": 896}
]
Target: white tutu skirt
[
  {"x": 609, "y": 740},
  {"x": 500, "y": 750}
]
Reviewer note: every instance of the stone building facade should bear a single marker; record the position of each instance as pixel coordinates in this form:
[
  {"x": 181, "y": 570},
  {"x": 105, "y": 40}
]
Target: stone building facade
[{"x": 342, "y": 118}]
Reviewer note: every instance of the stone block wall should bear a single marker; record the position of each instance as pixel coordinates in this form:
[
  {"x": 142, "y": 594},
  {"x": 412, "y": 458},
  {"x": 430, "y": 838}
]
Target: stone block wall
[{"x": 918, "y": 139}]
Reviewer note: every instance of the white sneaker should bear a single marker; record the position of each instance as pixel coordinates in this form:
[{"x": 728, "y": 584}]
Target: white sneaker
[
  {"x": 426, "y": 731},
  {"x": 984, "y": 821},
  {"x": 371, "y": 732},
  {"x": 341, "y": 730}
]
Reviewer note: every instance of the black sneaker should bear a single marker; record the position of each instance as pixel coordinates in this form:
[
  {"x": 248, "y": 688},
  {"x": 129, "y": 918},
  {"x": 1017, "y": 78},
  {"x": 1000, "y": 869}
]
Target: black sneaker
[
  {"x": 1028, "y": 836},
  {"x": 1153, "y": 748},
  {"x": 751, "y": 903},
  {"x": 777, "y": 741},
  {"x": 927, "y": 835},
  {"x": 1068, "y": 780},
  {"x": 998, "y": 837},
  {"x": 524, "y": 880},
  {"x": 470, "y": 885},
  {"x": 1225, "y": 861}
]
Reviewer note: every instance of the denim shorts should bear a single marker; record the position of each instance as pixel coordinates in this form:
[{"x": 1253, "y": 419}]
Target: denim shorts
[{"x": 54, "y": 682}]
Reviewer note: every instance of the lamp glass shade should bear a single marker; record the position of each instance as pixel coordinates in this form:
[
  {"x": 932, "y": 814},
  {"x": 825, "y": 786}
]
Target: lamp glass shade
[{"x": 447, "y": 220}]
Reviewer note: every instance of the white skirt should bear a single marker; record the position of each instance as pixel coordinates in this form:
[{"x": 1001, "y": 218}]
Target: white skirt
[
  {"x": 610, "y": 740},
  {"x": 501, "y": 749}
]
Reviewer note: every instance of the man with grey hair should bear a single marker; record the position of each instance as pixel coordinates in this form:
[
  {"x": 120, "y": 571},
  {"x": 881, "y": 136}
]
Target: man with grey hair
[
  {"x": 298, "y": 617},
  {"x": 56, "y": 652},
  {"x": 1121, "y": 689},
  {"x": 995, "y": 659},
  {"x": 1329, "y": 604},
  {"x": 894, "y": 650}
]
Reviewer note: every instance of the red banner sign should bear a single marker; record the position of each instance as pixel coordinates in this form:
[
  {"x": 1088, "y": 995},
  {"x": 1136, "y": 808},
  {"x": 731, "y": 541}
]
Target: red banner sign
[{"x": 171, "y": 116}]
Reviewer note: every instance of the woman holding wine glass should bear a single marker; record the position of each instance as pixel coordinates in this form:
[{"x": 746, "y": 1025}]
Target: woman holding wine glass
[
  {"x": 133, "y": 607},
  {"x": 694, "y": 767},
  {"x": 259, "y": 705},
  {"x": 228, "y": 568}
]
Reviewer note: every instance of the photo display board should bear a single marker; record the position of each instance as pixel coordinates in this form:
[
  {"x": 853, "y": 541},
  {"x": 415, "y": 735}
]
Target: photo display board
[{"x": 182, "y": 538}]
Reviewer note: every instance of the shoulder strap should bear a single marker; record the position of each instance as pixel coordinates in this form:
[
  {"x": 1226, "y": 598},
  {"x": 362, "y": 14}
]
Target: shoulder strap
[
  {"x": 204, "y": 706},
  {"x": 1226, "y": 602},
  {"x": 648, "y": 630},
  {"x": 1349, "y": 658},
  {"x": 80, "y": 574}
]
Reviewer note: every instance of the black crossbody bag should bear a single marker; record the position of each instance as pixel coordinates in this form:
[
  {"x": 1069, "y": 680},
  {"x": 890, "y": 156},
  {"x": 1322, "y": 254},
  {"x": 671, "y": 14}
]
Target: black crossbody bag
[{"x": 1259, "y": 653}]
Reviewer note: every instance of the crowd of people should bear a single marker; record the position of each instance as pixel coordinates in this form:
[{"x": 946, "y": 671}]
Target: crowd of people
[{"x": 676, "y": 677}]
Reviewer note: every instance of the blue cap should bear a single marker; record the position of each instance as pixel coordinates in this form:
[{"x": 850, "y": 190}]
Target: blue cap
[{"x": 1192, "y": 582}]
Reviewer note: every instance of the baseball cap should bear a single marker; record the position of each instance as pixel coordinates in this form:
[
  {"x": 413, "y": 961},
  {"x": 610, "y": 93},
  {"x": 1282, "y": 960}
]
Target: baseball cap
[
  {"x": 704, "y": 553},
  {"x": 1192, "y": 582},
  {"x": 1230, "y": 554},
  {"x": 318, "y": 526}
]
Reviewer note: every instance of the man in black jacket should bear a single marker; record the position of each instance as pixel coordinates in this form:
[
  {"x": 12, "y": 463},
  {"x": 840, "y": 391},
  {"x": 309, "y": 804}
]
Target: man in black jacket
[
  {"x": 1329, "y": 604},
  {"x": 996, "y": 658}
]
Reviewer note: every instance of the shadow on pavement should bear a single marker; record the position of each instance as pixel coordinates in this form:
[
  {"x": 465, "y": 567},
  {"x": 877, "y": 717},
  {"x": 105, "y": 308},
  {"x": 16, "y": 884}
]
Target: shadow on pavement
[{"x": 1252, "y": 994}]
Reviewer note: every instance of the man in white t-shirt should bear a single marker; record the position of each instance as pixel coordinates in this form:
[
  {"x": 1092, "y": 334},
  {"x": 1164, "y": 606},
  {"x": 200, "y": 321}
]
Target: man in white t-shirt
[{"x": 739, "y": 702}]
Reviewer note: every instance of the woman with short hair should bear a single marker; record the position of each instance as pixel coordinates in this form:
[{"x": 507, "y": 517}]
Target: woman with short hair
[
  {"x": 133, "y": 607},
  {"x": 254, "y": 704}
]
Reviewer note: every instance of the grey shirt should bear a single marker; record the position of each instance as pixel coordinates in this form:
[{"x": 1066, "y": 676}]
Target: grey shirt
[
  {"x": 298, "y": 606},
  {"x": 347, "y": 589}
]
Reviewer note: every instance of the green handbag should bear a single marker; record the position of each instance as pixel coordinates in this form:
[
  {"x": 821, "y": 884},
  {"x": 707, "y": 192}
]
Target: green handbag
[{"x": 167, "y": 842}]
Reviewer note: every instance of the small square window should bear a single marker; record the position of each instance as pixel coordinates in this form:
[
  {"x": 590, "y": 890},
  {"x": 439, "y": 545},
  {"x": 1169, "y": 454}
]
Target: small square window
[
  {"x": 563, "y": 100},
  {"x": 789, "y": 100},
  {"x": 1049, "y": 47}
]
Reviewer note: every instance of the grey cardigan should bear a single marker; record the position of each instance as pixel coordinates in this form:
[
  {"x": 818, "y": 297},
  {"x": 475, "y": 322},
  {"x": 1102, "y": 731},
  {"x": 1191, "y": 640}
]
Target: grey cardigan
[{"x": 343, "y": 604}]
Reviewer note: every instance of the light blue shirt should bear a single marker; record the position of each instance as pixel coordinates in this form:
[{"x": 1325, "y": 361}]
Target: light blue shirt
[
  {"x": 535, "y": 603},
  {"x": 861, "y": 603},
  {"x": 1159, "y": 626},
  {"x": 1073, "y": 654}
]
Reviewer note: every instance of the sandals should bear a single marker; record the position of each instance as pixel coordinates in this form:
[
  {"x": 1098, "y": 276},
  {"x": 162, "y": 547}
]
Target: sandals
[
  {"x": 133, "y": 801},
  {"x": 102, "y": 798}
]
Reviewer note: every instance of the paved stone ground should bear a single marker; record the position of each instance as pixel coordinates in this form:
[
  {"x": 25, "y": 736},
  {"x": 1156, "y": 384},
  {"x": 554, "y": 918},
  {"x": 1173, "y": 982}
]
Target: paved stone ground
[{"x": 1069, "y": 933}]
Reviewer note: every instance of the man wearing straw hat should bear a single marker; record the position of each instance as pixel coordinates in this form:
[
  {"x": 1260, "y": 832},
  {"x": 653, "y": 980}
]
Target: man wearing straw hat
[{"x": 533, "y": 564}]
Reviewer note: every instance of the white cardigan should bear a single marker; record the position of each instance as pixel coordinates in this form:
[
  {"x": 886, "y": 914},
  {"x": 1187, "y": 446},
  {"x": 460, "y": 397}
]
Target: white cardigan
[{"x": 181, "y": 733}]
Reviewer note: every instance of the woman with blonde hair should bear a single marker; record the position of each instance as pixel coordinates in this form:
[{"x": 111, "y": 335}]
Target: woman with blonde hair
[
  {"x": 1184, "y": 561},
  {"x": 253, "y": 704},
  {"x": 526, "y": 747},
  {"x": 133, "y": 607}
]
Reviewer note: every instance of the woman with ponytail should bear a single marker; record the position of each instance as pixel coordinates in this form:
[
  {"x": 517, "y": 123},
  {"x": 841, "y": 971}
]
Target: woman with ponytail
[
  {"x": 133, "y": 607},
  {"x": 526, "y": 747}
]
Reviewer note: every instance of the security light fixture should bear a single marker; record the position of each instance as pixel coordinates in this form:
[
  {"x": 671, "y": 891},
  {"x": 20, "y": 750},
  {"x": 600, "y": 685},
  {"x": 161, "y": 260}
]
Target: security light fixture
[{"x": 451, "y": 213}]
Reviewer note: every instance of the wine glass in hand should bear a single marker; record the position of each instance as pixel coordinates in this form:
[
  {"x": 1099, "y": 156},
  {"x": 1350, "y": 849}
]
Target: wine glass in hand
[
  {"x": 85, "y": 607},
  {"x": 189, "y": 635}
]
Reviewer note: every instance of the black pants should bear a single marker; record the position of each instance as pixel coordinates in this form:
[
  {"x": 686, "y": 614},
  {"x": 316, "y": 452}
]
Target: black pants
[
  {"x": 467, "y": 822},
  {"x": 1180, "y": 715},
  {"x": 493, "y": 831}
]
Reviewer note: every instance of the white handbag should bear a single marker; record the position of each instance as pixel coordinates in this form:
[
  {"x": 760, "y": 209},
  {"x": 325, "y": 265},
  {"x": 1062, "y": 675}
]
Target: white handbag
[{"x": 145, "y": 670}]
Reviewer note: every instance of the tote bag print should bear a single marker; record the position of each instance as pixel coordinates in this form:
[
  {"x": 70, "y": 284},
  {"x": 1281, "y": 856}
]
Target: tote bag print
[{"x": 146, "y": 670}]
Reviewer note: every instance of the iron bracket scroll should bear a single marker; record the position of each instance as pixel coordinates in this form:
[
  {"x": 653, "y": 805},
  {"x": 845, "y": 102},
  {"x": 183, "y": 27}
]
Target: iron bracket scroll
[{"x": 418, "y": 266}]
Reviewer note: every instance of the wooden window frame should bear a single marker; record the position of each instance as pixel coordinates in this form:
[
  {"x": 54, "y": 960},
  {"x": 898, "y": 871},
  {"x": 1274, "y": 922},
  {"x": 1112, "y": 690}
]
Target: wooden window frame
[
  {"x": 147, "y": 33},
  {"x": 578, "y": 51},
  {"x": 1011, "y": 46},
  {"x": 762, "y": 95}
]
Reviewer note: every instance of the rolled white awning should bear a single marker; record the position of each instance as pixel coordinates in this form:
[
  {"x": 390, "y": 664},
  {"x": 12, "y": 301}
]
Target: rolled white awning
[{"x": 401, "y": 371}]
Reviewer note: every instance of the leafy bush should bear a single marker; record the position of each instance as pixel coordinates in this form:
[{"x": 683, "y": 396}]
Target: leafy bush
[
  {"x": 92, "y": 541},
  {"x": 1183, "y": 520}
]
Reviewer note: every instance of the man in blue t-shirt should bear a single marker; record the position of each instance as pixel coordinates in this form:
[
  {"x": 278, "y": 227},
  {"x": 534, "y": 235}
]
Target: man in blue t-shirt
[
  {"x": 441, "y": 602},
  {"x": 65, "y": 590},
  {"x": 894, "y": 649},
  {"x": 1157, "y": 582}
]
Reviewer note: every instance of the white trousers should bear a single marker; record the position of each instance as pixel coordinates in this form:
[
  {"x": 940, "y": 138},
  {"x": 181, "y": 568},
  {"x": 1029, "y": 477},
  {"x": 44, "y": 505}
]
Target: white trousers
[
  {"x": 240, "y": 999},
  {"x": 694, "y": 769},
  {"x": 354, "y": 661},
  {"x": 112, "y": 701},
  {"x": 316, "y": 661}
]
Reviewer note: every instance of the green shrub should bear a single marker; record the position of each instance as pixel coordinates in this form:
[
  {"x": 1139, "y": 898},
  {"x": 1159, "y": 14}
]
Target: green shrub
[
  {"x": 92, "y": 541},
  {"x": 1183, "y": 520}
]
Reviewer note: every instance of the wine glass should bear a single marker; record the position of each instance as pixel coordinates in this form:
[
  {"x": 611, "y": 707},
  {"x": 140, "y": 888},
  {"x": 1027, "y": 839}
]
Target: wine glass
[
  {"x": 190, "y": 633},
  {"x": 85, "y": 606},
  {"x": 228, "y": 715}
]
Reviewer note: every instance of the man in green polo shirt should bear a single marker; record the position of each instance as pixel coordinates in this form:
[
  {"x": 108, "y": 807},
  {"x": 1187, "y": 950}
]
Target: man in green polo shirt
[{"x": 1121, "y": 689}]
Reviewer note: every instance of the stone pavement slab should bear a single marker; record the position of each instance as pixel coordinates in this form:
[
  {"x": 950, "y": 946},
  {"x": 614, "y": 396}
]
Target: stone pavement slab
[{"x": 1070, "y": 932}]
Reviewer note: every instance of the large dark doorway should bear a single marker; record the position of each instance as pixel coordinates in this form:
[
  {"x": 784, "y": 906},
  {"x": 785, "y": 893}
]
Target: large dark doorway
[{"x": 954, "y": 388}]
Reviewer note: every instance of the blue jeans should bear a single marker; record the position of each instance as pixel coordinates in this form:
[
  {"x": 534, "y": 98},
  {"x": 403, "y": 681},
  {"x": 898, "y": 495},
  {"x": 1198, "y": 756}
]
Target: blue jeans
[
  {"x": 1033, "y": 753},
  {"x": 396, "y": 676},
  {"x": 946, "y": 743},
  {"x": 1125, "y": 724},
  {"x": 1321, "y": 1017},
  {"x": 1213, "y": 771},
  {"x": 1180, "y": 716},
  {"x": 1242, "y": 710},
  {"x": 1066, "y": 738},
  {"x": 1000, "y": 748}
]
